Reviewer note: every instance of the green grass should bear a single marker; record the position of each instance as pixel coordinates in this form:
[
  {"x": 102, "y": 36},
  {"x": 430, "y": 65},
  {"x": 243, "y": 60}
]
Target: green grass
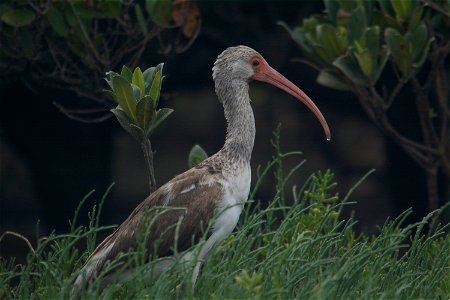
[{"x": 304, "y": 250}]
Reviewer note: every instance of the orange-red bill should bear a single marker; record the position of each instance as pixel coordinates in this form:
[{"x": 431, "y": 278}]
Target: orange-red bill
[{"x": 267, "y": 74}]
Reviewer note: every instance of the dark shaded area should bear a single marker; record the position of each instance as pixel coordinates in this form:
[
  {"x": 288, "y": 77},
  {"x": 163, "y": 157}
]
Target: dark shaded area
[{"x": 49, "y": 162}]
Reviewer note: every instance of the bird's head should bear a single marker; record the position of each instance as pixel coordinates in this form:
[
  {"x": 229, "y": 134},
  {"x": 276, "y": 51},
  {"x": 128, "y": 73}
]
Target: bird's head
[{"x": 245, "y": 64}]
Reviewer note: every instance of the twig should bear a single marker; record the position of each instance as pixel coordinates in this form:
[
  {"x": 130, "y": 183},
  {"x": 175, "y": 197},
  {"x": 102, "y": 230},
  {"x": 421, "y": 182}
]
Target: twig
[
  {"x": 85, "y": 34},
  {"x": 42, "y": 11},
  {"x": 307, "y": 62},
  {"x": 436, "y": 7},
  {"x": 77, "y": 114},
  {"x": 394, "y": 93}
]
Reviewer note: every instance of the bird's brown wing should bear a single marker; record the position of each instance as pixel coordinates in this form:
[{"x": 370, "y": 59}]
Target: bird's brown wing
[{"x": 192, "y": 196}]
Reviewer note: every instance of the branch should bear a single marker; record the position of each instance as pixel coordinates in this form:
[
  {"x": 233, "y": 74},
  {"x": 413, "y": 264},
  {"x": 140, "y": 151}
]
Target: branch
[
  {"x": 76, "y": 115},
  {"x": 437, "y": 57},
  {"x": 86, "y": 36},
  {"x": 307, "y": 62},
  {"x": 413, "y": 148},
  {"x": 436, "y": 7},
  {"x": 148, "y": 155},
  {"x": 423, "y": 109}
]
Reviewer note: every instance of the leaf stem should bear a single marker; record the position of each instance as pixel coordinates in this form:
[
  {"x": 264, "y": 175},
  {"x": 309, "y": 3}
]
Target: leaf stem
[{"x": 146, "y": 146}]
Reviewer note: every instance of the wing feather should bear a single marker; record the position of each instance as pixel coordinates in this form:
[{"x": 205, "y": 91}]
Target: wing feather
[{"x": 193, "y": 195}]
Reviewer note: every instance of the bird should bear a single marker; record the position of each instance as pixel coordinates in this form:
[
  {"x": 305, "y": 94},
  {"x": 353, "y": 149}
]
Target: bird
[{"x": 210, "y": 196}]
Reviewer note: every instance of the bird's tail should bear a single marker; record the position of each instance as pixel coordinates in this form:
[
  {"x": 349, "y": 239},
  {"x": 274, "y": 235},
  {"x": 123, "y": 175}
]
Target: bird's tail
[{"x": 93, "y": 265}]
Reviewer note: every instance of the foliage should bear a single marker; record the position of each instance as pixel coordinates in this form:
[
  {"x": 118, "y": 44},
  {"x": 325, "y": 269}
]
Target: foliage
[
  {"x": 71, "y": 44},
  {"x": 196, "y": 156},
  {"x": 351, "y": 44},
  {"x": 137, "y": 95},
  {"x": 279, "y": 252}
]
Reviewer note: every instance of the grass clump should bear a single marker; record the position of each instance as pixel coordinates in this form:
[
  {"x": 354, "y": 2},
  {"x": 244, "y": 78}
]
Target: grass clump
[{"x": 304, "y": 250}]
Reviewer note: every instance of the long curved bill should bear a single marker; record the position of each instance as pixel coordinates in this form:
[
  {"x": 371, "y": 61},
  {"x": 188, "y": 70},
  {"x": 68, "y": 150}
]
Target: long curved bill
[{"x": 268, "y": 74}]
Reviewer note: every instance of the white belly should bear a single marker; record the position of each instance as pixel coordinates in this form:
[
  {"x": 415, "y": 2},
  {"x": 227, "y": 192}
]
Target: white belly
[{"x": 237, "y": 189}]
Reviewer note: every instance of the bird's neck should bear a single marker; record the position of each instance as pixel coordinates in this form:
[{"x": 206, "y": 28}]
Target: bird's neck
[{"x": 240, "y": 120}]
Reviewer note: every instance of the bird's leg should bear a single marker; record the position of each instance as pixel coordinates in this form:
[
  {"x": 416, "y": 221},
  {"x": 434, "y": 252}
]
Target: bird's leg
[{"x": 195, "y": 274}]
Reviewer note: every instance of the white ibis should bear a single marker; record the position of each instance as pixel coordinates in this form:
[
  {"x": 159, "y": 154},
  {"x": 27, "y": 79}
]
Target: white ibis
[{"x": 215, "y": 190}]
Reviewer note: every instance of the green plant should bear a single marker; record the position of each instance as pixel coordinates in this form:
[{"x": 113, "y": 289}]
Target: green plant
[
  {"x": 277, "y": 252},
  {"x": 251, "y": 283},
  {"x": 196, "y": 156},
  {"x": 137, "y": 95},
  {"x": 69, "y": 45},
  {"x": 354, "y": 42}
]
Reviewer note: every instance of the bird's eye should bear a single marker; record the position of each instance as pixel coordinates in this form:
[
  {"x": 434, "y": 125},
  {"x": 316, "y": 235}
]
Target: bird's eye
[{"x": 255, "y": 62}]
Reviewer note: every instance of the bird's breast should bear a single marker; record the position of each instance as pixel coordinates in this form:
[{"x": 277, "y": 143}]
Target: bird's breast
[{"x": 236, "y": 190}]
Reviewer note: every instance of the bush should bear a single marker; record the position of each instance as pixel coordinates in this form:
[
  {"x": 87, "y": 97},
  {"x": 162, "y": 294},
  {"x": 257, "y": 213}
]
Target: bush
[{"x": 382, "y": 50}]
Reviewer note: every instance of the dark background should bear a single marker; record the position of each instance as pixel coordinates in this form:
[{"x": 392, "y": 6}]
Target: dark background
[{"x": 48, "y": 162}]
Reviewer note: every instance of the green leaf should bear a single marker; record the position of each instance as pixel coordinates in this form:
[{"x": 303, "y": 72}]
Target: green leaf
[
  {"x": 161, "y": 115},
  {"x": 57, "y": 22},
  {"x": 357, "y": 23},
  {"x": 110, "y": 93},
  {"x": 390, "y": 35},
  {"x": 326, "y": 34},
  {"x": 299, "y": 37},
  {"x": 127, "y": 124},
  {"x": 383, "y": 58},
  {"x": 138, "y": 79},
  {"x": 342, "y": 39},
  {"x": 332, "y": 7},
  {"x": 400, "y": 50},
  {"x": 136, "y": 92},
  {"x": 126, "y": 73},
  {"x": 145, "y": 112},
  {"x": 323, "y": 54},
  {"x": 387, "y": 7},
  {"x": 111, "y": 75},
  {"x": 18, "y": 17},
  {"x": 402, "y": 8},
  {"x": 333, "y": 81},
  {"x": 121, "y": 117},
  {"x": 310, "y": 24},
  {"x": 196, "y": 156},
  {"x": 417, "y": 40},
  {"x": 366, "y": 51},
  {"x": 371, "y": 39},
  {"x": 350, "y": 69},
  {"x": 159, "y": 10},
  {"x": 421, "y": 59},
  {"x": 141, "y": 19},
  {"x": 124, "y": 95},
  {"x": 148, "y": 78},
  {"x": 156, "y": 84},
  {"x": 365, "y": 61},
  {"x": 415, "y": 17}
]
